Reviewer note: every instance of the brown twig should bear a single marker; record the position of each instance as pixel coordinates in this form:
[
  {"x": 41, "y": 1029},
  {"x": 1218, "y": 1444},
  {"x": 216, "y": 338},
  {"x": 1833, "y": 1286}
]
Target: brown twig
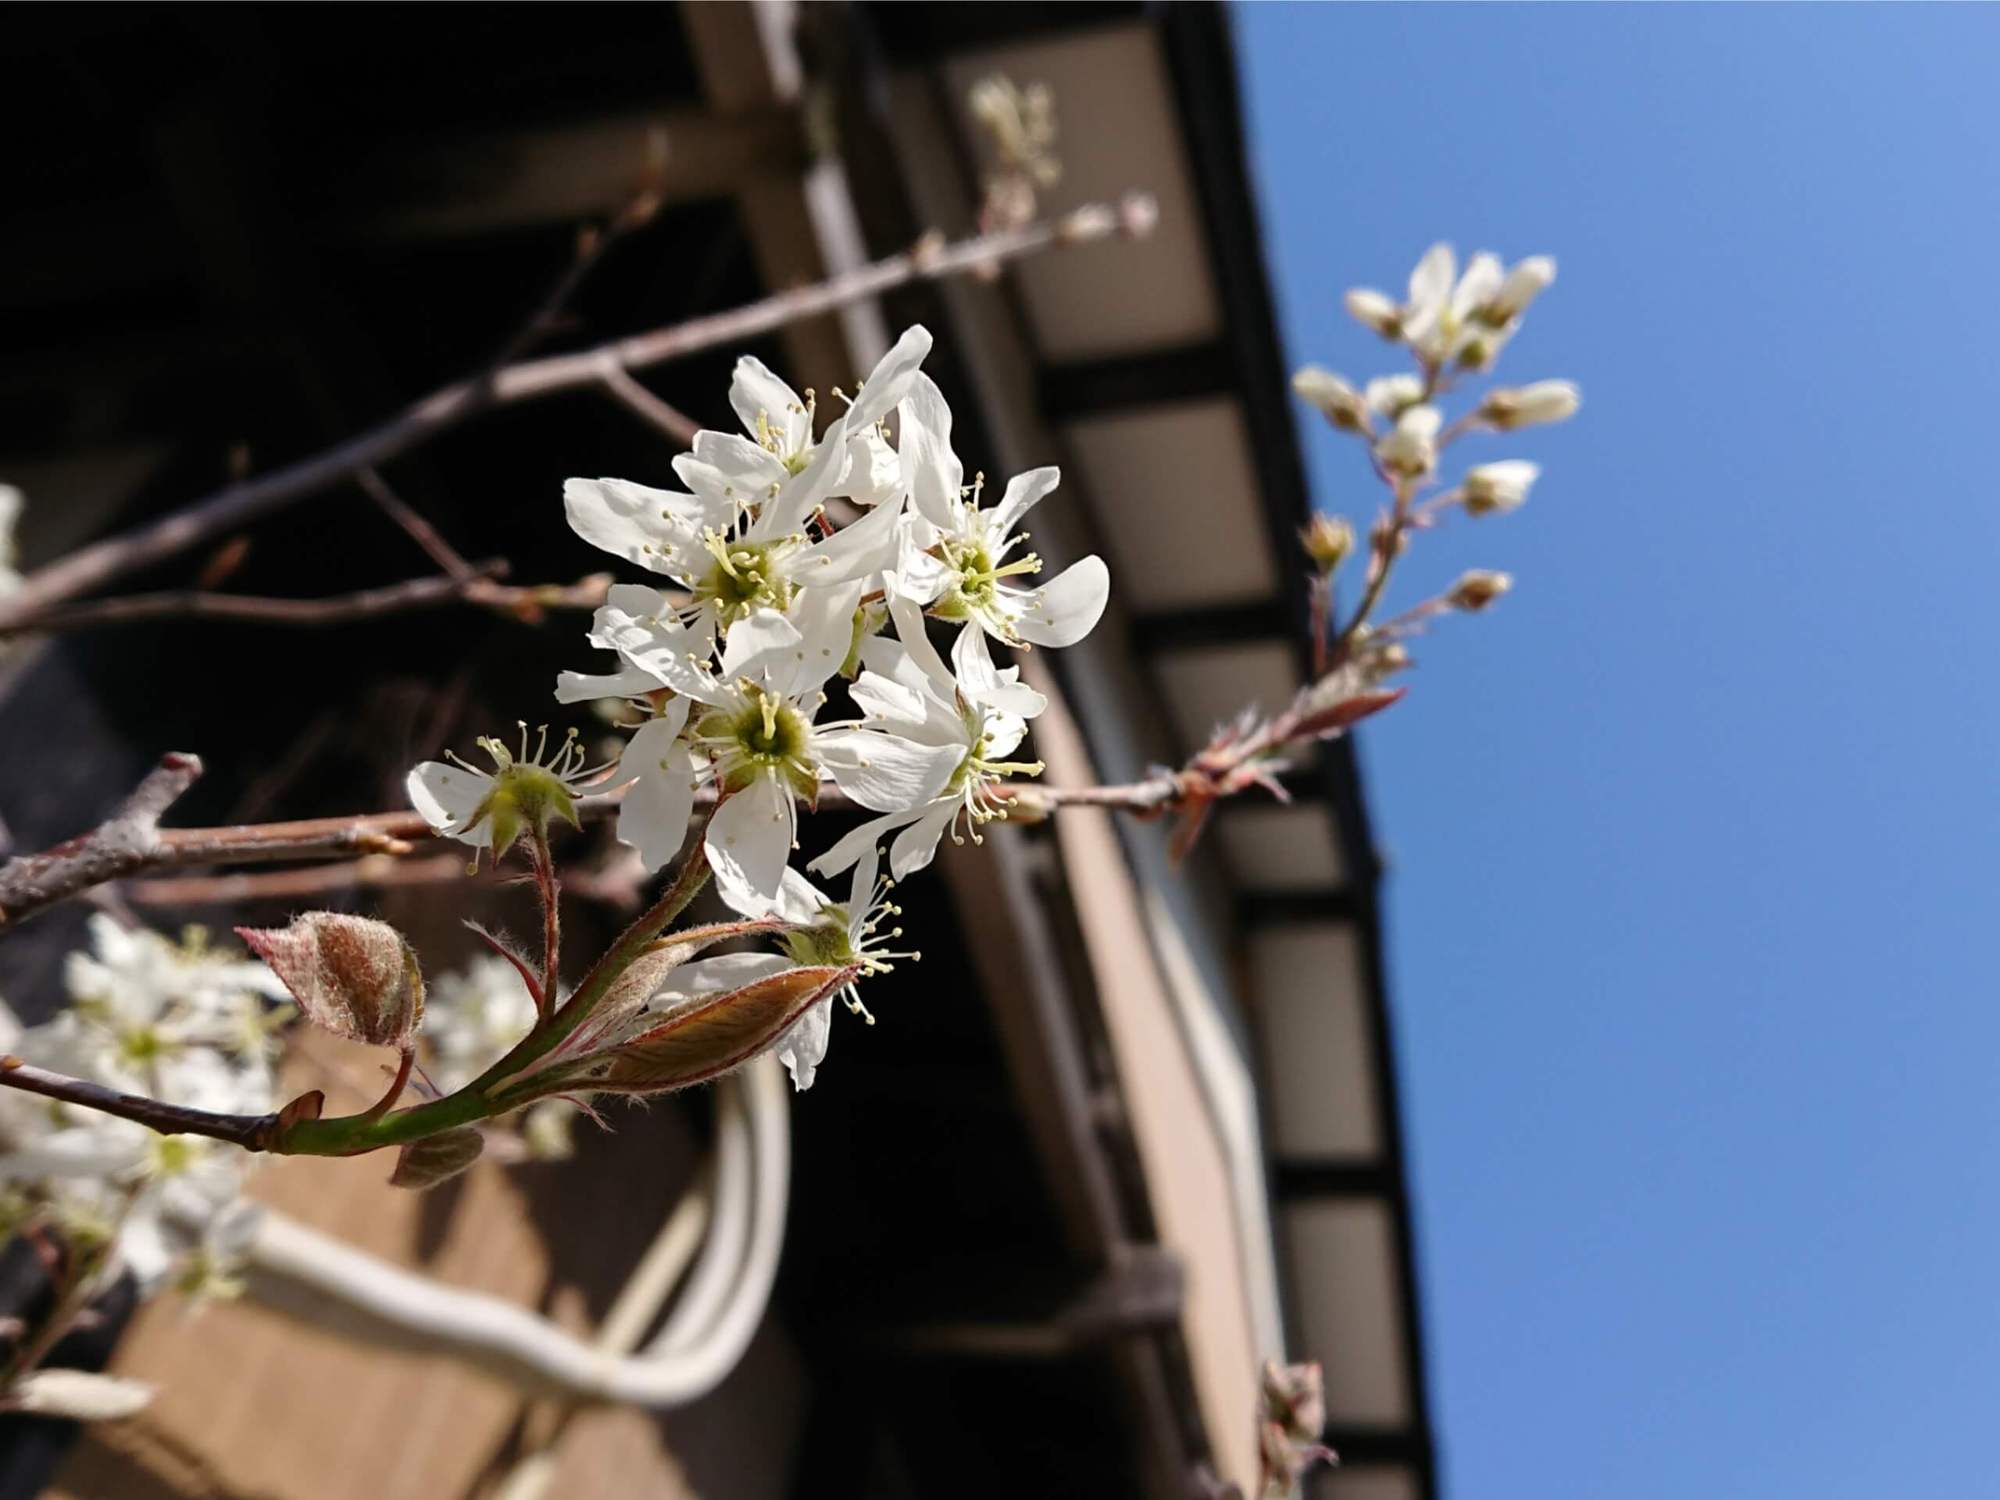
[
  {"x": 642, "y": 403},
  {"x": 340, "y": 609},
  {"x": 129, "y": 841},
  {"x": 247, "y": 1131},
  {"x": 235, "y": 504},
  {"x": 32, "y": 882},
  {"x": 420, "y": 531}
]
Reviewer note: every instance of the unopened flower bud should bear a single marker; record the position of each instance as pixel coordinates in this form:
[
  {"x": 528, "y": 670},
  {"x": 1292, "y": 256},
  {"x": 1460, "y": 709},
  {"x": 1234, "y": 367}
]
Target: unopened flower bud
[
  {"x": 1295, "y": 1400},
  {"x": 1477, "y": 589},
  {"x": 1500, "y": 486},
  {"x": 1411, "y": 450},
  {"x": 1527, "y": 281},
  {"x": 1376, "y": 311},
  {"x": 1138, "y": 215},
  {"x": 1339, "y": 402},
  {"x": 1327, "y": 541},
  {"x": 1392, "y": 395},
  {"x": 1524, "y": 406},
  {"x": 356, "y": 977}
]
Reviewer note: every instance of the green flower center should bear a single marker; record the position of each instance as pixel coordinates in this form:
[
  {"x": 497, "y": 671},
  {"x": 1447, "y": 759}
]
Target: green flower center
[
  {"x": 979, "y": 571},
  {"x": 767, "y": 735},
  {"x": 742, "y": 578}
]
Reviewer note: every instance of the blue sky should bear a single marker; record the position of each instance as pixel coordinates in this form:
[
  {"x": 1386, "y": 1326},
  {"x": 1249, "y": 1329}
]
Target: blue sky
[{"x": 1693, "y": 838}]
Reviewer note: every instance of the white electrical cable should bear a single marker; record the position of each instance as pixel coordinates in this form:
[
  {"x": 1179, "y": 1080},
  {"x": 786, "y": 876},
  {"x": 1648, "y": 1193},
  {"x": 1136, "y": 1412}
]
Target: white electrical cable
[{"x": 315, "y": 1277}]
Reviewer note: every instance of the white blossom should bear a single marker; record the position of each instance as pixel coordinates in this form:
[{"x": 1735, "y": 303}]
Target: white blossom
[
  {"x": 737, "y": 538},
  {"x": 490, "y": 809},
  {"x": 754, "y": 735},
  {"x": 851, "y": 933},
  {"x": 976, "y": 719},
  {"x": 954, "y": 557},
  {"x": 188, "y": 1023}
]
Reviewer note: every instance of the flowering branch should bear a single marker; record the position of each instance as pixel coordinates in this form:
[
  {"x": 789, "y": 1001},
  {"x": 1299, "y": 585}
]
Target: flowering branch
[{"x": 523, "y": 380}]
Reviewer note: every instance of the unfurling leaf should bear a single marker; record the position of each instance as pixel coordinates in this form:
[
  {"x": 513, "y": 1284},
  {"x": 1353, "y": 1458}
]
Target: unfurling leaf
[
  {"x": 652, "y": 970},
  {"x": 79, "y": 1395},
  {"x": 1330, "y": 719},
  {"x": 700, "y": 1041},
  {"x": 435, "y": 1158},
  {"x": 356, "y": 977}
]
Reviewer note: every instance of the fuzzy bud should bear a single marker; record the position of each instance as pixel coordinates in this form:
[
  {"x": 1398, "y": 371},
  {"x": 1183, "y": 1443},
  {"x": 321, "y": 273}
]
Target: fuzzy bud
[
  {"x": 1373, "y": 310},
  {"x": 1411, "y": 450},
  {"x": 1502, "y": 486},
  {"x": 1392, "y": 395},
  {"x": 1340, "y": 403},
  {"x": 1477, "y": 589},
  {"x": 1523, "y": 285},
  {"x": 356, "y": 977},
  {"x": 1327, "y": 541},
  {"x": 1528, "y": 405}
]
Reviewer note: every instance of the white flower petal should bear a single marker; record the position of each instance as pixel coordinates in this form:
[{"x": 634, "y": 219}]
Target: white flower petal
[
  {"x": 761, "y": 644},
  {"x": 803, "y": 1048},
  {"x": 916, "y": 845},
  {"x": 754, "y": 390},
  {"x": 750, "y": 842},
  {"x": 857, "y": 550},
  {"x": 1067, "y": 608},
  {"x": 1478, "y": 286},
  {"x": 874, "y": 471},
  {"x": 931, "y": 470},
  {"x": 1024, "y": 491},
  {"x": 653, "y": 818},
  {"x": 741, "y": 463},
  {"x": 858, "y": 841},
  {"x": 884, "y": 772},
  {"x": 982, "y": 682},
  {"x": 1431, "y": 281},
  {"x": 714, "y": 976},
  {"x": 448, "y": 796},
  {"x": 582, "y": 687},
  {"x": 630, "y": 520},
  {"x": 890, "y": 381}
]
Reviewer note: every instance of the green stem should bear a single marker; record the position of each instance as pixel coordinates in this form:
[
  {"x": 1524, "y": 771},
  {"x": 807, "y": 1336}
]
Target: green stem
[{"x": 351, "y": 1135}]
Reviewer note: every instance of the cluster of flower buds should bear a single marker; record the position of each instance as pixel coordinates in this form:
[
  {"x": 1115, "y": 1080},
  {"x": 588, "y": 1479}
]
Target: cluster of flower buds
[
  {"x": 725, "y": 672},
  {"x": 1020, "y": 128},
  {"x": 1291, "y": 1416},
  {"x": 188, "y": 1021},
  {"x": 1454, "y": 326}
]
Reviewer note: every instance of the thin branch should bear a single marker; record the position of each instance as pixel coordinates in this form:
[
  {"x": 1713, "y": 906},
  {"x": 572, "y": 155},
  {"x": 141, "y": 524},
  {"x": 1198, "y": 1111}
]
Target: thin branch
[
  {"x": 370, "y": 872},
  {"x": 252, "y": 1132},
  {"x": 642, "y": 403},
  {"x": 339, "y": 609},
  {"x": 232, "y": 506},
  {"x": 128, "y": 842},
  {"x": 32, "y": 882},
  {"x": 425, "y": 535}
]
